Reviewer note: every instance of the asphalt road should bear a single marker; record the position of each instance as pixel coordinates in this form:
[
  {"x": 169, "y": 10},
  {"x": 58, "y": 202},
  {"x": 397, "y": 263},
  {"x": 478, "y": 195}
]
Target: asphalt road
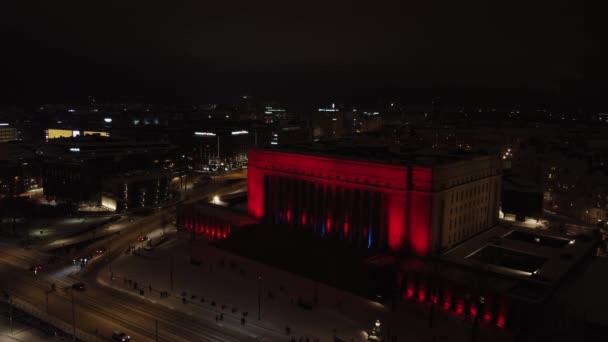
[{"x": 102, "y": 309}]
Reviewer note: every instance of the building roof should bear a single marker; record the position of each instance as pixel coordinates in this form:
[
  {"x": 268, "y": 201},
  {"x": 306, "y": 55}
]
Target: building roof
[
  {"x": 538, "y": 259},
  {"x": 14, "y": 152},
  {"x": 381, "y": 153},
  {"x": 226, "y": 214}
]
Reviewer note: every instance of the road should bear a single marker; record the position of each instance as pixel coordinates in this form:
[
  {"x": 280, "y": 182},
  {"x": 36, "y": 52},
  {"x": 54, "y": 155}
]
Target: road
[{"x": 102, "y": 309}]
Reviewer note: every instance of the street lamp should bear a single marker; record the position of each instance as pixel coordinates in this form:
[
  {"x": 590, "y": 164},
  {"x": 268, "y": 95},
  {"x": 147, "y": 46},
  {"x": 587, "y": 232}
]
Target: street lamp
[
  {"x": 482, "y": 301},
  {"x": 434, "y": 298},
  {"x": 259, "y": 298},
  {"x": 73, "y": 317}
]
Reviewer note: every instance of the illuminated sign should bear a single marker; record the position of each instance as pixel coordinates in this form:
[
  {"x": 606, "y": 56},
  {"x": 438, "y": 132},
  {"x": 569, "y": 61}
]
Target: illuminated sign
[
  {"x": 75, "y": 133},
  {"x": 239, "y": 132},
  {"x": 3, "y": 124},
  {"x": 74, "y": 149},
  {"x": 204, "y": 134},
  {"x": 107, "y": 120}
]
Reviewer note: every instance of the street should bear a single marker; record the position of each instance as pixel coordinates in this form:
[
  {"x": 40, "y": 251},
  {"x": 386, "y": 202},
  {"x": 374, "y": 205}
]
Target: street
[{"x": 100, "y": 310}]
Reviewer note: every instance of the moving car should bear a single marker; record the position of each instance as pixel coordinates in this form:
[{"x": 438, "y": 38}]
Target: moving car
[
  {"x": 120, "y": 336},
  {"x": 36, "y": 268},
  {"x": 82, "y": 260},
  {"x": 100, "y": 250},
  {"x": 79, "y": 286}
]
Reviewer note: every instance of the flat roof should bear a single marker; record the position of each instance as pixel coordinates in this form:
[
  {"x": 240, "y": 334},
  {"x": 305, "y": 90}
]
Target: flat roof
[
  {"x": 586, "y": 294},
  {"x": 230, "y": 216},
  {"x": 137, "y": 175},
  {"x": 534, "y": 255},
  {"x": 346, "y": 149}
]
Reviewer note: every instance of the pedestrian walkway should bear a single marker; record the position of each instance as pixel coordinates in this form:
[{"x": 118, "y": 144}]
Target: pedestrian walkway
[
  {"x": 205, "y": 281},
  {"x": 21, "y": 332}
]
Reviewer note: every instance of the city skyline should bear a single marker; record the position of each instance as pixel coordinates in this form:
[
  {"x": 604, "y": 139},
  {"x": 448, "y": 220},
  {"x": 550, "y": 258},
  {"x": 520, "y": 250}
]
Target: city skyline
[{"x": 289, "y": 171}]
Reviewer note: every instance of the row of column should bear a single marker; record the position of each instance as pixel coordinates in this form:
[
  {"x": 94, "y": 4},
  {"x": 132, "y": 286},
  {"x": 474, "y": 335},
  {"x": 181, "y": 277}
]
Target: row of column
[
  {"x": 327, "y": 210},
  {"x": 491, "y": 308},
  {"x": 203, "y": 224}
]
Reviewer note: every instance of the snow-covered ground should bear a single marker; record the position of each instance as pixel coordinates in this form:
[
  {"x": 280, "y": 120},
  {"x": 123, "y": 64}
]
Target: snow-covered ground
[
  {"x": 20, "y": 331},
  {"x": 238, "y": 283}
]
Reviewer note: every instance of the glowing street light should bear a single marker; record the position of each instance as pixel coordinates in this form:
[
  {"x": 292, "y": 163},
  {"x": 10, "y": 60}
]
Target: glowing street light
[
  {"x": 376, "y": 334},
  {"x": 217, "y": 200}
]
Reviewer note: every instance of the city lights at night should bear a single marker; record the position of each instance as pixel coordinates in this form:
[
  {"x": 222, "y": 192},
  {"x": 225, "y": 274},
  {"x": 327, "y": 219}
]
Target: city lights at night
[{"x": 303, "y": 172}]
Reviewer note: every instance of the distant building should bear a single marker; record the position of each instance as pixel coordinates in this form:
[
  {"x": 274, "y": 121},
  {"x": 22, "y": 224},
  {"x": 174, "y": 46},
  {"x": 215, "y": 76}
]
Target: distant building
[
  {"x": 138, "y": 189},
  {"x": 222, "y": 148},
  {"x": 7, "y": 132},
  {"x": 75, "y": 168},
  {"x": 19, "y": 169}
]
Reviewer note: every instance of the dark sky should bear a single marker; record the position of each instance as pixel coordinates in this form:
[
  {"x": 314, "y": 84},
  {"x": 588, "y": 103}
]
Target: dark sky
[{"x": 165, "y": 50}]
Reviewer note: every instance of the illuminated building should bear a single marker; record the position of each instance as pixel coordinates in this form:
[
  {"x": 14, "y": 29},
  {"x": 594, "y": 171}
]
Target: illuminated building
[
  {"x": 7, "y": 132},
  {"x": 415, "y": 202},
  {"x": 136, "y": 189},
  {"x": 222, "y": 148},
  {"x": 56, "y": 133},
  {"x": 214, "y": 222}
]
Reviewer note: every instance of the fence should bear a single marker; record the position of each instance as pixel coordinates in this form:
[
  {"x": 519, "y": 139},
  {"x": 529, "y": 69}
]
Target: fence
[{"x": 57, "y": 323}]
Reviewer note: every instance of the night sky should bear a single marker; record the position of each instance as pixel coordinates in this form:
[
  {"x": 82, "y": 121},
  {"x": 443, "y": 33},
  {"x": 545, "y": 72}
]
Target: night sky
[{"x": 198, "y": 50}]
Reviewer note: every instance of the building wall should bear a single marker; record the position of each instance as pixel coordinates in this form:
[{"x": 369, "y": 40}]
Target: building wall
[
  {"x": 373, "y": 205},
  {"x": 190, "y": 218},
  {"x": 71, "y": 181},
  {"x": 362, "y": 202},
  {"x": 144, "y": 192},
  {"x": 8, "y": 134},
  {"x": 468, "y": 196},
  {"x": 462, "y": 300}
]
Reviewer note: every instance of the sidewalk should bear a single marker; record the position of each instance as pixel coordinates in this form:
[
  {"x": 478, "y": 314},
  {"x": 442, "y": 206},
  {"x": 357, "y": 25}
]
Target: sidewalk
[
  {"x": 219, "y": 282},
  {"x": 21, "y": 332}
]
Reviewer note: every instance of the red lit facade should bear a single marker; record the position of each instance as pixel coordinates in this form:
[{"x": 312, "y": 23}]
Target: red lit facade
[
  {"x": 420, "y": 206},
  {"x": 370, "y": 204},
  {"x": 203, "y": 223},
  {"x": 459, "y": 299},
  {"x": 208, "y": 220}
]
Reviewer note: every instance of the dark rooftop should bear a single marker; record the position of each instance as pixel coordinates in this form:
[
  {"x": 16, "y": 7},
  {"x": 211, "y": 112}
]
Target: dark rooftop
[{"x": 375, "y": 152}]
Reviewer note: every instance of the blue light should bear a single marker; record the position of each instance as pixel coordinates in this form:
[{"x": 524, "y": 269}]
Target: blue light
[{"x": 369, "y": 238}]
